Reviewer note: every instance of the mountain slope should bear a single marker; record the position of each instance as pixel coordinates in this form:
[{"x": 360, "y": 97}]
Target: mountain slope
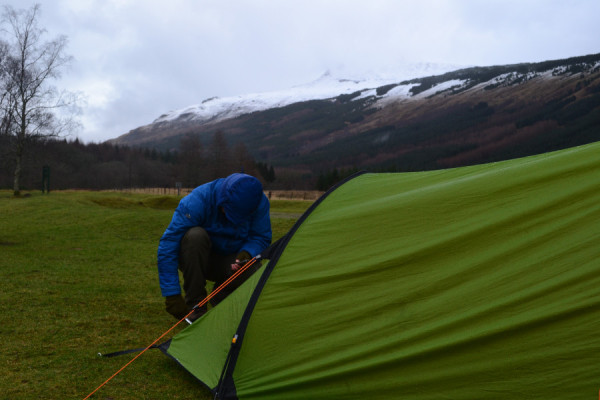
[
  {"x": 461, "y": 117},
  {"x": 215, "y": 109},
  {"x": 327, "y": 86}
]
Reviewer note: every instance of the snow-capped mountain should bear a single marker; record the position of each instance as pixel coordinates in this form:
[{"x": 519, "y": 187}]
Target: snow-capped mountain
[
  {"x": 329, "y": 85},
  {"x": 425, "y": 116}
]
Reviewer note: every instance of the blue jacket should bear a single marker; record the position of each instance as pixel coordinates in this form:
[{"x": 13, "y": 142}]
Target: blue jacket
[{"x": 201, "y": 208}]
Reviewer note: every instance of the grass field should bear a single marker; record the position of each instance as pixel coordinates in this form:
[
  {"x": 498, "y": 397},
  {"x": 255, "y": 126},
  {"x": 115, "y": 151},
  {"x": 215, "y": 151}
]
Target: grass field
[{"x": 78, "y": 277}]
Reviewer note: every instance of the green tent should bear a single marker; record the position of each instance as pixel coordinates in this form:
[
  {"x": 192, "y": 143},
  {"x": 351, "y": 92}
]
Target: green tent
[{"x": 480, "y": 282}]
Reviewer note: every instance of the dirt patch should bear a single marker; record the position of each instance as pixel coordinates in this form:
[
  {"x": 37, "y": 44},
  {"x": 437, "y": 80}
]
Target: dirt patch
[
  {"x": 162, "y": 202},
  {"x": 116, "y": 202}
]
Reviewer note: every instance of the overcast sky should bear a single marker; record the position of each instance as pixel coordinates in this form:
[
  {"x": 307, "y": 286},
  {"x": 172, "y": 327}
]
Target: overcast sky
[{"x": 137, "y": 59}]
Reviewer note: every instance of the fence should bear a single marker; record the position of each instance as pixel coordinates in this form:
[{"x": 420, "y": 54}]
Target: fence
[
  {"x": 167, "y": 191},
  {"x": 309, "y": 195}
]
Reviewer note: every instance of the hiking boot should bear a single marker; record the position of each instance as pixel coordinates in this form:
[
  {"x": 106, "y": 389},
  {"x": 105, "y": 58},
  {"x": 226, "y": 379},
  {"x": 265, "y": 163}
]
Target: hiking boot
[{"x": 198, "y": 312}]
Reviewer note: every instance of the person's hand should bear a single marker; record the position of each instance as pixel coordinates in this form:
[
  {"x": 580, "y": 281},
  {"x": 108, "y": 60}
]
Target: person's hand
[
  {"x": 175, "y": 305},
  {"x": 241, "y": 259}
]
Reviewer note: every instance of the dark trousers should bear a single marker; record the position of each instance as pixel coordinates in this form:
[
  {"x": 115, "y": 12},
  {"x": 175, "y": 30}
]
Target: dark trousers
[{"x": 199, "y": 263}]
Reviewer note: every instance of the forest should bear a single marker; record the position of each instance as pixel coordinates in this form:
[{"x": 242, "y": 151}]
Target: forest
[{"x": 101, "y": 166}]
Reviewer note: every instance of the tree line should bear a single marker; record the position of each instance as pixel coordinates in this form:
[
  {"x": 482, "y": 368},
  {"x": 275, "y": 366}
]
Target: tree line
[
  {"x": 99, "y": 166},
  {"x": 31, "y": 107},
  {"x": 35, "y": 116}
]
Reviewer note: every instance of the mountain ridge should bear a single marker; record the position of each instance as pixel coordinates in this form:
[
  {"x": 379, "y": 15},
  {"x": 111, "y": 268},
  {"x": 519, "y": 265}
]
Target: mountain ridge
[
  {"x": 468, "y": 115},
  {"x": 328, "y": 85}
]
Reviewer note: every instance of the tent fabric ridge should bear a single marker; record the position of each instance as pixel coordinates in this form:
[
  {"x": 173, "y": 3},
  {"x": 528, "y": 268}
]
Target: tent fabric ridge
[
  {"x": 227, "y": 386},
  {"x": 272, "y": 253}
]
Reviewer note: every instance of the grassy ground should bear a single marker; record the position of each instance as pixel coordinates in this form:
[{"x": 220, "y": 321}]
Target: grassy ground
[{"x": 77, "y": 277}]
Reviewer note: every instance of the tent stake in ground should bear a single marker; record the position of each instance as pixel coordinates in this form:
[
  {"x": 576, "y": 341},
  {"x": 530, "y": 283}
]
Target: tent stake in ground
[{"x": 237, "y": 273}]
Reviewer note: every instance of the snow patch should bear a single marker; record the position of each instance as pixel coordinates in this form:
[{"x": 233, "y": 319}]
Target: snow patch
[
  {"x": 328, "y": 86},
  {"x": 442, "y": 87}
]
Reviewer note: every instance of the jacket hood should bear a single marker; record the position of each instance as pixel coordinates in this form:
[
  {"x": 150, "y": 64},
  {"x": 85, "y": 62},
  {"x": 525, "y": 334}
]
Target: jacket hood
[{"x": 239, "y": 195}]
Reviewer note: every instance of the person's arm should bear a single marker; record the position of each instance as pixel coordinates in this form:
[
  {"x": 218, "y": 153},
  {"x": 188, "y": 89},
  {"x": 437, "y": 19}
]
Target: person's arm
[
  {"x": 183, "y": 219},
  {"x": 168, "y": 254},
  {"x": 168, "y": 260}
]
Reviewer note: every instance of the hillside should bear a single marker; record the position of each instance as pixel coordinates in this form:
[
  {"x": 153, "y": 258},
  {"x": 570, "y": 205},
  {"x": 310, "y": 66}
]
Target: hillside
[{"x": 462, "y": 117}]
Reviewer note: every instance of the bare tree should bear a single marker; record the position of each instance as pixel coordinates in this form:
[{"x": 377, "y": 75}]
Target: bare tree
[
  {"x": 243, "y": 160},
  {"x": 191, "y": 158},
  {"x": 31, "y": 108},
  {"x": 219, "y": 157}
]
